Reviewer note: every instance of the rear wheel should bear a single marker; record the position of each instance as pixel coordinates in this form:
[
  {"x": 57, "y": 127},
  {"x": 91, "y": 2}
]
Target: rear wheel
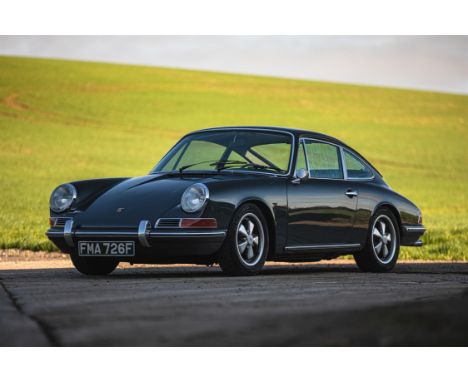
[
  {"x": 93, "y": 266},
  {"x": 246, "y": 247},
  {"x": 383, "y": 244}
]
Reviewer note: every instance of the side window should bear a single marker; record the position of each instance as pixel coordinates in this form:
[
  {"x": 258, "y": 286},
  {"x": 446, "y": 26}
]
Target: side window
[
  {"x": 301, "y": 161},
  {"x": 355, "y": 167},
  {"x": 324, "y": 160}
]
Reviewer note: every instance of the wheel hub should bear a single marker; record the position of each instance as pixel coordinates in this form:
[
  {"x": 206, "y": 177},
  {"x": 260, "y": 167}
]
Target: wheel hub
[
  {"x": 384, "y": 239},
  {"x": 250, "y": 239}
]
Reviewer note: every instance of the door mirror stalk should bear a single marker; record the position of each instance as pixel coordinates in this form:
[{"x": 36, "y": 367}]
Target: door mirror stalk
[{"x": 301, "y": 174}]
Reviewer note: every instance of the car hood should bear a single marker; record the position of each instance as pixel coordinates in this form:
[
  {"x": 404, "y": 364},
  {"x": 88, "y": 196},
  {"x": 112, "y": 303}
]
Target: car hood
[{"x": 143, "y": 198}]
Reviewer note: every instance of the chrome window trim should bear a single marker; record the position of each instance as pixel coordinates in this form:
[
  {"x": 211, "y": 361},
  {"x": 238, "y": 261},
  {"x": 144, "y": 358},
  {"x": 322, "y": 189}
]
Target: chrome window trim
[
  {"x": 306, "y": 157},
  {"x": 343, "y": 150},
  {"x": 291, "y": 155},
  {"x": 303, "y": 139},
  {"x": 343, "y": 161},
  {"x": 358, "y": 179}
]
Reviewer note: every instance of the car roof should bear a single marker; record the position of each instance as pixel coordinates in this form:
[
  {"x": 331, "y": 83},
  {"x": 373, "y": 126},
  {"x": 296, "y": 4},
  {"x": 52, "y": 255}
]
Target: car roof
[{"x": 294, "y": 131}]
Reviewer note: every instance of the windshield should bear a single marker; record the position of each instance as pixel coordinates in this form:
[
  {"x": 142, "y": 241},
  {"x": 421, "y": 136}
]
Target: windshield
[{"x": 241, "y": 150}]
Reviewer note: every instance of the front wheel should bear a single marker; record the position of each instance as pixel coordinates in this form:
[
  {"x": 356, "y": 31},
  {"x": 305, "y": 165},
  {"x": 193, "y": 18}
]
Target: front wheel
[
  {"x": 246, "y": 247},
  {"x": 383, "y": 243},
  {"x": 93, "y": 266}
]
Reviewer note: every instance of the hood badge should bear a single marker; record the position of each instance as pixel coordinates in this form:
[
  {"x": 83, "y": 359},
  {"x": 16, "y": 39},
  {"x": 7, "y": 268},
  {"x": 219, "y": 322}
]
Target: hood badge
[{"x": 119, "y": 210}]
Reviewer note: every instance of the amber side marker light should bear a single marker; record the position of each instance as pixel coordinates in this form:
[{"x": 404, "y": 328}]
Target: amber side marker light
[
  {"x": 51, "y": 222},
  {"x": 198, "y": 223}
]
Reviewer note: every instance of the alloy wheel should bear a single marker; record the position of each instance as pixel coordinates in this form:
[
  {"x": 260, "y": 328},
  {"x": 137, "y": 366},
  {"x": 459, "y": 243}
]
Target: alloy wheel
[
  {"x": 250, "y": 239},
  {"x": 384, "y": 240}
]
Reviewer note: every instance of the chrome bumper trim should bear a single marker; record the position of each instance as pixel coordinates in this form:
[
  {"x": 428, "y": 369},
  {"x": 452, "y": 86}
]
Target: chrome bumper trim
[
  {"x": 143, "y": 230},
  {"x": 321, "y": 246},
  {"x": 189, "y": 234},
  {"x": 409, "y": 228},
  {"x": 141, "y": 235},
  {"x": 68, "y": 232}
]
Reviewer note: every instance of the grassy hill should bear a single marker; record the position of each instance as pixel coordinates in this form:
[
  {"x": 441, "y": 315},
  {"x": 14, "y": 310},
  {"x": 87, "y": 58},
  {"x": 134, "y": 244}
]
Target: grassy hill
[{"x": 64, "y": 120}]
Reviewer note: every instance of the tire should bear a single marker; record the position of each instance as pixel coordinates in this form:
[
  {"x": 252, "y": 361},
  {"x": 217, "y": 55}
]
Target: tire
[
  {"x": 382, "y": 248},
  {"x": 93, "y": 266},
  {"x": 245, "y": 249}
]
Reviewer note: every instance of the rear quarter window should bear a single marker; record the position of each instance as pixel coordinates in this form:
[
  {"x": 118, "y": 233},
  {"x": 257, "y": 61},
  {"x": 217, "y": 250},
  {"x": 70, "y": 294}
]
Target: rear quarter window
[{"x": 355, "y": 167}]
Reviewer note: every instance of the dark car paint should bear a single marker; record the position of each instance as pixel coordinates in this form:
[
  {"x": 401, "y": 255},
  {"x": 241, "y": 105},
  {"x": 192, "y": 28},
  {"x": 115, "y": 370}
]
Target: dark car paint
[
  {"x": 89, "y": 190},
  {"x": 136, "y": 199},
  {"x": 318, "y": 211}
]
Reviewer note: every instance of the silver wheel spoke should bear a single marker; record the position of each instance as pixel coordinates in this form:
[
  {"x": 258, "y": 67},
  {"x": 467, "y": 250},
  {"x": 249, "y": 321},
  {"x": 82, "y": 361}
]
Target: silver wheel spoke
[
  {"x": 250, "y": 252},
  {"x": 243, "y": 231},
  {"x": 384, "y": 239},
  {"x": 251, "y": 227},
  {"x": 242, "y": 246},
  {"x": 382, "y": 227},
  {"x": 378, "y": 247},
  {"x": 377, "y": 233},
  {"x": 255, "y": 240},
  {"x": 250, "y": 239}
]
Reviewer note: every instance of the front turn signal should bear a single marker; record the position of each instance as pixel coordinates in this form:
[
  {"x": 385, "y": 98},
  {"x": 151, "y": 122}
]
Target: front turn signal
[{"x": 198, "y": 223}]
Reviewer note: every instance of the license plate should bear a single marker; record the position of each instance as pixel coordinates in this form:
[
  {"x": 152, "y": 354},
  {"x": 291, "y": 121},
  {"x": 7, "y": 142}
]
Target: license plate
[{"x": 106, "y": 248}]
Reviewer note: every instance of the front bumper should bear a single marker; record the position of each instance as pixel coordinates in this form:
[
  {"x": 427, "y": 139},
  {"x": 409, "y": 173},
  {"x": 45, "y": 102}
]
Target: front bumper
[
  {"x": 411, "y": 234},
  {"x": 150, "y": 243}
]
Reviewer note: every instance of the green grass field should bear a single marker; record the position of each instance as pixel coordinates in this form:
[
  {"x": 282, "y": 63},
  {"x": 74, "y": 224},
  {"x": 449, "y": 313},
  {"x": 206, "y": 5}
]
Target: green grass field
[{"x": 64, "y": 120}]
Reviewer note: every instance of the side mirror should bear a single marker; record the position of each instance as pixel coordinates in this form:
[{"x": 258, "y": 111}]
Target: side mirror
[{"x": 301, "y": 174}]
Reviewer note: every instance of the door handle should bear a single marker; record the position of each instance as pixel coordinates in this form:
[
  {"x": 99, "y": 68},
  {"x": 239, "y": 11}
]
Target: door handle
[{"x": 351, "y": 193}]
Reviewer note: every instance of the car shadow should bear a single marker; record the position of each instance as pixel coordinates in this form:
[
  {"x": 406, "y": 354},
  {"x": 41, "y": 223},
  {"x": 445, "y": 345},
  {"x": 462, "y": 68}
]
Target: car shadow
[{"x": 192, "y": 272}]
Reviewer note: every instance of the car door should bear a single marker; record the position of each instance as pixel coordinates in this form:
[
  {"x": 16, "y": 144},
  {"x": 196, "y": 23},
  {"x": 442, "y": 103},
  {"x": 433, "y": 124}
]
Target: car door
[{"x": 322, "y": 206}]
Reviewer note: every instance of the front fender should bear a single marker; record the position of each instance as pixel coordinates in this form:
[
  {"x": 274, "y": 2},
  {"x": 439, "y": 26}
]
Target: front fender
[
  {"x": 227, "y": 194},
  {"x": 89, "y": 190}
]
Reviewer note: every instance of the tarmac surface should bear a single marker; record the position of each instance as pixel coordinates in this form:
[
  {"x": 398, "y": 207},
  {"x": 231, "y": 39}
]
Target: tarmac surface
[{"x": 45, "y": 302}]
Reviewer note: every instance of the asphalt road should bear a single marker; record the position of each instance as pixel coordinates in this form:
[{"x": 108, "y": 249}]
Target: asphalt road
[{"x": 306, "y": 305}]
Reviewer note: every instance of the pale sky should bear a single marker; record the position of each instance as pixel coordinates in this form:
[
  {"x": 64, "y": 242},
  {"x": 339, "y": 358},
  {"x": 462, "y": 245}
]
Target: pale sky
[{"x": 437, "y": 63}]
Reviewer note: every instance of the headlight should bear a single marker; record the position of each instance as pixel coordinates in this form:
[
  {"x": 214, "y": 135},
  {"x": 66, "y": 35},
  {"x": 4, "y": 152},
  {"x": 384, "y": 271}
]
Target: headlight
[
  {"x": 194, "y": 197},
  {"x": 62, "y": 197}
]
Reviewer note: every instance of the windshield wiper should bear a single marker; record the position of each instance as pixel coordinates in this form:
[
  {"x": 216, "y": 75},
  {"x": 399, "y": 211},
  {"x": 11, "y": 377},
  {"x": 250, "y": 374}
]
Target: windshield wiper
[
  {"x": 212, "y": 163},
  {"x": 256, "y": 166},
  {"x": 227, "y": 164}
]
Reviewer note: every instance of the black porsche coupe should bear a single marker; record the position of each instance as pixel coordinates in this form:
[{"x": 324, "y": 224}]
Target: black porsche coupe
[{"x": 238, "y": 196}]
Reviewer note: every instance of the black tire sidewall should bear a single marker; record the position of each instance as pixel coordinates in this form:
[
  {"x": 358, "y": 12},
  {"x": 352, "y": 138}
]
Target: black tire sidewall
[{"x": 98, "y": 266}]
